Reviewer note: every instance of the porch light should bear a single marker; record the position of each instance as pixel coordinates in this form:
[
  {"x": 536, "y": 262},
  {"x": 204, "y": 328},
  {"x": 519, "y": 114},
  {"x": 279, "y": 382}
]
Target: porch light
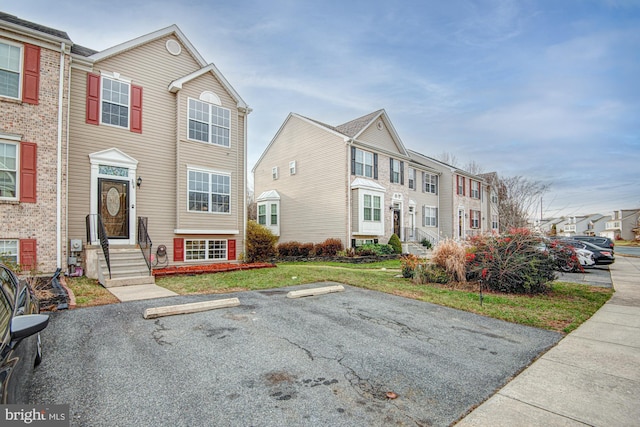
[{"x": 139, "y": 182}]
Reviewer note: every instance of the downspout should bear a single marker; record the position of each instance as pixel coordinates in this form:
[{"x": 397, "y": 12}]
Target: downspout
[
  {"x": 59, "y": 162},
  {"x": 348, "y": 173},
  {"x": 244, "y": 196}
]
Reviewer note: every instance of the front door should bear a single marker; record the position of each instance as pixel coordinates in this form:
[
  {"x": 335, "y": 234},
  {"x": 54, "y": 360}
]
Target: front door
[
  {"x": 113, "y": 207},
  {"x": 396, "y": 222}
]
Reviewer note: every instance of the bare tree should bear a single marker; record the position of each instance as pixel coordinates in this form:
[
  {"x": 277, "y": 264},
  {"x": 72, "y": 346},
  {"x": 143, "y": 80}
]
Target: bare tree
[
  {"x": 517, "y": 198},
  {"x": 473, "y": 168},
  {"x": 252, "y": 208},
  {"x": 448, "y": 158}
]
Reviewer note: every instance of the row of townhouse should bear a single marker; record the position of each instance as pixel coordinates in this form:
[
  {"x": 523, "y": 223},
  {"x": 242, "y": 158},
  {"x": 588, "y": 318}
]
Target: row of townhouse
[
  {"x": 357, "y": 182},
  {"x": 622, "y": 224},
  {"x": 105, "y": 152}
]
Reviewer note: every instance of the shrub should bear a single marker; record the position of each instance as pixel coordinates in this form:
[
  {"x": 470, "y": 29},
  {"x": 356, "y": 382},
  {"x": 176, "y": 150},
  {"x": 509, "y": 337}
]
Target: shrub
[
  {"x": 306, "y": 249},
  {"x": 408, "y": 264},
  {"x": 430, "y": 273},
  {"x": 426, "y": 243},
  {"x": 515, "y": 262},
  {"x": 329, "y": 247},
  {"x": 261, "y": 243},
  {"x": 451, "y": 256},
  {"x": 374, "y": 249},
  {"x": 394, "y": 242}
]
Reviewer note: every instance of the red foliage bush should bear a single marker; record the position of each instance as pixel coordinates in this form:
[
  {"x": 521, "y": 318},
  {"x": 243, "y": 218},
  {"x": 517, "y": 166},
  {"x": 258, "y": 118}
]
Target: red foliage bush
[{"x": 329, "y": 247}]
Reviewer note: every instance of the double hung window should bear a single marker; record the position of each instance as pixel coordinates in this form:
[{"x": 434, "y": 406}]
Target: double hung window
[
  {"x": 10, "y": 62},
  {"x": 372, "y": 208},
  {"x": 209, "y": 192},
  {"x": 209, "y": 123}
]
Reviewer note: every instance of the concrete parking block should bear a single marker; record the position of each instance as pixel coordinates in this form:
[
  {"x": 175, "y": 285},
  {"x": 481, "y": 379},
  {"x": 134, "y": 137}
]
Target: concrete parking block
[
  {"x": 195, "y": 307},
  {"x": 315, "y": 291}
]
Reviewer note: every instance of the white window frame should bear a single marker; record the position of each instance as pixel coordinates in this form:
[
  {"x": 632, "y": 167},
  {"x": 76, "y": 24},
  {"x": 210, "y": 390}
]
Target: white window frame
[
  {"x": 4, "y": 252},
  {"x": 372, "y": 208},
  {"x": 360, "y": 242},
  {"x": 475, "y": 219},
  {"x": 273, "y": 207},
  {"x": 15, "y": 171},
  {"x": 210, "y": 192},
  {"x": 494, "y": 222},
  {"x": 221, "y": 115},
  {"x": 430, "y": 216},
  {"x": 263, "y": 207},
  {"x": 494, "y": 197},
  {"x": 475, "y": 189},
  {"x": 208, "y": 253},
  {"x": 395, "y": 171},
  {"x": 19, "y": 71},
  {"x": 292, "y": 167},
  {"x": 363, "y": 164},
  {"x": 412, "y": 179},
  {"x": 430, "y": 183},
  {"x": 115, "y": 78},
  {"x": 274, "y": 173}
]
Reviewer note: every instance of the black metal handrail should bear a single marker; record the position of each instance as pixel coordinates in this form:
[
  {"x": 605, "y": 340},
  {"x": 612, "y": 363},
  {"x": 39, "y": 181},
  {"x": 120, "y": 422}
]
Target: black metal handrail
[
  {"x": 144, "y": 241},
  {"x": 97, "y": 232},
  {"x": 418, "y": 235}
]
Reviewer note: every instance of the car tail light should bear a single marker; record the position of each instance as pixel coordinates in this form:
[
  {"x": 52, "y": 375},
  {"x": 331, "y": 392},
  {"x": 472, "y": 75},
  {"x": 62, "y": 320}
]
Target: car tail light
[{"x": 606, "y": 253}]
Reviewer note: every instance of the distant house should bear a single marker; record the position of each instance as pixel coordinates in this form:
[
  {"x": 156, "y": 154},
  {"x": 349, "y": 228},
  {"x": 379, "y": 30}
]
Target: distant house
[
  {"x": 34, "y": 83},
  {"x": 581, "y": 225},
  {"x": 357, "y": 182},
  {"x": 623, "y": 225},
  {"x": 157, "y": 150}
]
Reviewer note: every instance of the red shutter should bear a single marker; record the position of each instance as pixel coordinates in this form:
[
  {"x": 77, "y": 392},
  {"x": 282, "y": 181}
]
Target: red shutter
[
  {"x": 178, "y": 249},
  {"x": 471, "y": 218},
  {"x": 31, "y": 83},
  {"x": 28, "y": 174},
  {"x": 28, "y": 254},
  {"x": 93, "y": 99},
  {"x": 231, "y": 250},
  {"x": 136, "y": 109}
]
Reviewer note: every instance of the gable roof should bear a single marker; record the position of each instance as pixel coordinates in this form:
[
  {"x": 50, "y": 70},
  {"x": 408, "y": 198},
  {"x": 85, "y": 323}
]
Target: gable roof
[
  {"x": 176, "y": 85},
  {"x": 356, "y": 126}
]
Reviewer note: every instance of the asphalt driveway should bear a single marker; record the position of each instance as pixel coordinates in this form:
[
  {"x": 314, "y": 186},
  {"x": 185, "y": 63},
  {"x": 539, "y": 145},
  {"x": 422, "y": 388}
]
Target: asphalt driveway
[
  {"x": 593, "y": 276},
  {"x": 273, "y": 361}
]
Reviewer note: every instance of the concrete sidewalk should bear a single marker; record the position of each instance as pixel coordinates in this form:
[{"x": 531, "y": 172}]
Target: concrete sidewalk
[{"x": 592, "y": 377}]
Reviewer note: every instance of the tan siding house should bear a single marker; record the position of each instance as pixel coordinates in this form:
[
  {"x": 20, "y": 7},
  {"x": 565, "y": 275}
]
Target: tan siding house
[
  {"x": 33, "y": 109},
  {"x": 358, "y": 183},
  {"x": 157, "y": 135}
]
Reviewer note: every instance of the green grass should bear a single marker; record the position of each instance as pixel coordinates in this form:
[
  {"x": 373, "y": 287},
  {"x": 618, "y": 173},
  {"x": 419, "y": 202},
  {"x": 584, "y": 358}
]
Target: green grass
[
  {"x": 563, "y": 309},
  {"x": 89, "y": 292}
]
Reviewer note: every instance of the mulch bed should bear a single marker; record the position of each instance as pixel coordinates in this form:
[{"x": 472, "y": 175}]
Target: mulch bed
[{"x": 209, "y": 268}]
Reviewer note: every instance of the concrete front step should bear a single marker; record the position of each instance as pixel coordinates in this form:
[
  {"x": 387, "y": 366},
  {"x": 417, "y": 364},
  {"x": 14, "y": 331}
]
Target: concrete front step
[{"x": 128, "y": 281}]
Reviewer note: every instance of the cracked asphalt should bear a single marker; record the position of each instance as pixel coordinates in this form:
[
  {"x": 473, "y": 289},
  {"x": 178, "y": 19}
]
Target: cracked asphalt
[{"x": 273, "y": 361}]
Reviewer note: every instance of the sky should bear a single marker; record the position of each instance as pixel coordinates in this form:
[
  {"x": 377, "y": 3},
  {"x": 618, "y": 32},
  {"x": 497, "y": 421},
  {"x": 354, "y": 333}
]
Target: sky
[{"x": 546, "y": 90}]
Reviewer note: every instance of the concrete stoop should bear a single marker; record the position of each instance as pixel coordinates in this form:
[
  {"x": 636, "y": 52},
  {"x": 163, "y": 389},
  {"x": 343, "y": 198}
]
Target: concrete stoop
[
  {"x": 129, "y": 281},
  {"x": 128, "y": 268}
]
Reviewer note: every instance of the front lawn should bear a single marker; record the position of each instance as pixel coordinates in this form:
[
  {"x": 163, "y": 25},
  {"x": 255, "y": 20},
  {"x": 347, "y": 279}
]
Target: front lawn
[{"x": 563, "y": 309}]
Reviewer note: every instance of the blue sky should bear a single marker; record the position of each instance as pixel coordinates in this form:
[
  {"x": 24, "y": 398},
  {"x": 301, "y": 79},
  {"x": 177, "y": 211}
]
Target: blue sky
[{"x": 549, "y": 90}]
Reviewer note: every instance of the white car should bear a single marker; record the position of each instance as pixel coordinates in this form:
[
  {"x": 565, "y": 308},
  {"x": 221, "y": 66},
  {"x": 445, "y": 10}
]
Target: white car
[{"x": 585, "y": 257}]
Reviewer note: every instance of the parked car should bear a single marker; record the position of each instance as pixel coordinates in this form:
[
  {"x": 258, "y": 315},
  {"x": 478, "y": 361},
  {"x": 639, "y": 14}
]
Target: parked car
[
  {"x": 567, "y": 257},
  {"x": 20, "y": 326},
  {"x": 602, "y": 256},
  {"x": 602, "y": 242}
]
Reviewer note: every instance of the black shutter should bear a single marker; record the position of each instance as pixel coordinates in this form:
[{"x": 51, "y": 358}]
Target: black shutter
[
  {"x": 375, "y": 166},
  {"x": 436, "y": 217},
  {"x": 353, "y": 160},
  {"x": 391, "y": 169},
  {"x": 353, "y": 243},
  {"x": 401, "y": 173}
]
